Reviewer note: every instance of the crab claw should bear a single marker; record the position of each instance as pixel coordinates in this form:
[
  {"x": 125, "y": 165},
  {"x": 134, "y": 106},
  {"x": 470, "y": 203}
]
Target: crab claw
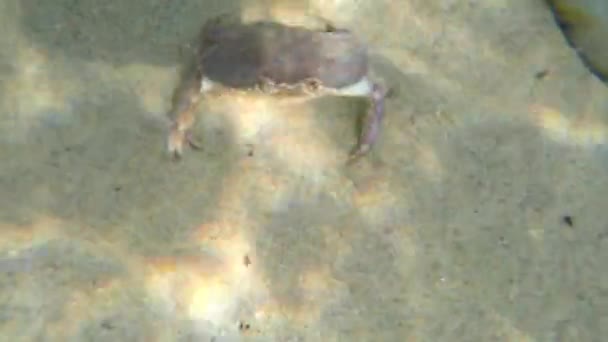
[
  {"x": 373, "y": 121},
  {"x": 183, "y": 119},
  {"x": 175, "y": 143},
  {"x": 180, "y": 133},
  {"x": 178, "y": 137}
]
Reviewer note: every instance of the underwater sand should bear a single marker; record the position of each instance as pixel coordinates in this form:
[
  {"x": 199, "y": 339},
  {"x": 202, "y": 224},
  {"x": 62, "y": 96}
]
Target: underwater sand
[{"x": 479, "y": 216}]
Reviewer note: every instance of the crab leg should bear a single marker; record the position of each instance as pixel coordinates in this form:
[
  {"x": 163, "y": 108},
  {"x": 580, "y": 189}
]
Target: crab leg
[
  {"x": 183, "y": 117},
  {"x": 373, "y": 121}
]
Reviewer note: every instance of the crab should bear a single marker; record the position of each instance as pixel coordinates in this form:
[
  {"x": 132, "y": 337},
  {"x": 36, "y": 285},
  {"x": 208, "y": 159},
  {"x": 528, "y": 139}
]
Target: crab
[{"x": 271, "y": 57}]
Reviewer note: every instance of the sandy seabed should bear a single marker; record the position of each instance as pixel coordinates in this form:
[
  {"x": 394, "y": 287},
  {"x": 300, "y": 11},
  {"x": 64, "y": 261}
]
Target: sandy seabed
[{"x": 479, "y": 216}]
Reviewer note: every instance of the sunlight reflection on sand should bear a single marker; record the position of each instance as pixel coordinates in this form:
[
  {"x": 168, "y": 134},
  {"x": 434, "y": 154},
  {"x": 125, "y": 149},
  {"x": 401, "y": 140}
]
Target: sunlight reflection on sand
[{"x": 556, "y": 126}]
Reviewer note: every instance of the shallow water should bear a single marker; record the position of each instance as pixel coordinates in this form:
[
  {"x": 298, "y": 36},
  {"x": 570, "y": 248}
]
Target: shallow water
[{"x": 479, "y": 216}]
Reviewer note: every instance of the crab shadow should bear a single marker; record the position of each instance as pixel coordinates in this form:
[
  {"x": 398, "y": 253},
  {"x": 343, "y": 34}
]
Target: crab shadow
[
  {"x": 105, "y": 177},
  {"x": 114, "y": 148},
  {"x": 117, "y": 33},
  {"x": 87, "y": 154},
  {"x": 107, "y": 168}
]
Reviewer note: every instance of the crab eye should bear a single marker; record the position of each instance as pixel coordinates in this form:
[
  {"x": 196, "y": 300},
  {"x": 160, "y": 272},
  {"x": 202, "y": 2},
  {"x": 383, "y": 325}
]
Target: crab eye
[{"x": 313, "y": 84}]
